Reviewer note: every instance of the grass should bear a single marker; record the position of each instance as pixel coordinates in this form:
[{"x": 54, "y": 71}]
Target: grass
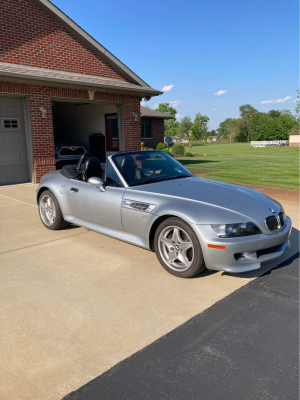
[{"x": 242, "y": 163}]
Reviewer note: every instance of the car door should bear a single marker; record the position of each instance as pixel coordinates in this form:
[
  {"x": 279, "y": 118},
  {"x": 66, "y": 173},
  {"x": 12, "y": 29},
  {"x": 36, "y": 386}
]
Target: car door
[{"x": 102, "y": 208}]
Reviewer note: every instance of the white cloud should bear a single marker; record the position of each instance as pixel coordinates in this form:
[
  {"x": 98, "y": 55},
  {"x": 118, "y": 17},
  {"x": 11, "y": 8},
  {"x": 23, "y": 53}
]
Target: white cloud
[
  {"x": 220, "y": 93},
  {"x": 294, "y": 101},
  {"x": 156, "y": 106},
  {"x": 276, "y": 101},
  {"x": 214, "y": 109},
  {"x": 179, "y": 116},
  {"x": 175, "y": 103},
  {"x": 167, "y": 88},
  {"x": 143, "y": 104}
]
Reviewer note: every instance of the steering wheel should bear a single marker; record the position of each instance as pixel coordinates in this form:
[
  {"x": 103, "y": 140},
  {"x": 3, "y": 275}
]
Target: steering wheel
[{"x": 82, "y": 159}]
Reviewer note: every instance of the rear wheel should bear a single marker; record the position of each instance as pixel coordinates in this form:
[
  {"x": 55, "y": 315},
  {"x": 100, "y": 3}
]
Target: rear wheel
[
  {"x": 50, "y": 212},
  {"x": 178, "y": 249}
]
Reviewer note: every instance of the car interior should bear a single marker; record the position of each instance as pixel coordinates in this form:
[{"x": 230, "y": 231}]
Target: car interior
[
  {"x": 135, "y": 168},
  {"x": 86, "y": 168}
]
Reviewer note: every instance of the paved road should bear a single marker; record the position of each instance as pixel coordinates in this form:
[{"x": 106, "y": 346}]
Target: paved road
[{"x": 244, "y": 347}]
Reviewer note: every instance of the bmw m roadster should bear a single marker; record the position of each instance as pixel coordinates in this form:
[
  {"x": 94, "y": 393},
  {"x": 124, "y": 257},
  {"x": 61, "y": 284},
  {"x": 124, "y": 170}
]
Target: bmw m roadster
[{"x": 149, "y": 199}]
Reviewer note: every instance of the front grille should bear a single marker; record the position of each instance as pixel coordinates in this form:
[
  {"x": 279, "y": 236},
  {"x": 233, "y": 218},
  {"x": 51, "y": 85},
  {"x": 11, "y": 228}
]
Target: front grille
[
  {"x": 71, "y": 151},
  {"x": 281, "y": 217},
  {"x": 272, "y": 223}
]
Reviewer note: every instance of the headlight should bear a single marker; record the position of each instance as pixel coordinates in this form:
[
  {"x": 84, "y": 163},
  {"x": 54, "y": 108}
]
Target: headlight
[{"x": 236, "y": 230}]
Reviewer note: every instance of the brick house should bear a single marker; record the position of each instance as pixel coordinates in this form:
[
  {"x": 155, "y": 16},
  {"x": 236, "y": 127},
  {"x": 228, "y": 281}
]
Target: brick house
[
  {"x": 152, "y": 126},
  {"x": 53, "y": 72}
]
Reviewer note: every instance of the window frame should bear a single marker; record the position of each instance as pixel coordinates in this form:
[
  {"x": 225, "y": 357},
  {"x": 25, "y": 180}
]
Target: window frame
[
  {"x": 10, "y": 128},
  {"x": 115, "y": 169},
  {"x": 151, "y": 128}
]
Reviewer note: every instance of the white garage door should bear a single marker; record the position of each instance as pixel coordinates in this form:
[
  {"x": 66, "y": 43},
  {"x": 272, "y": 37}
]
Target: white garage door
[{"x": 14, "y": 166}]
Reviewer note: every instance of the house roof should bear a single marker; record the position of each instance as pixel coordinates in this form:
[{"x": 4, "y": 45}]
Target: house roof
[
  {"x": 148, "y": 113},
  {"x": 67, "y": 79},
  {"x": 294, "y": 132},
  {"x": 67, "y": 23}
]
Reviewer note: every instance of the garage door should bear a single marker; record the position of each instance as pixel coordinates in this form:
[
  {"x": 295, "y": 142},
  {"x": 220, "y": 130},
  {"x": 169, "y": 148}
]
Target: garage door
[{"x": 14, "y": 166}]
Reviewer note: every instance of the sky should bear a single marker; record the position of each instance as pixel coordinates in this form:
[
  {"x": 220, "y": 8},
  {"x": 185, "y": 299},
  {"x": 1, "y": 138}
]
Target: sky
[{"x": 208, "y": 56}]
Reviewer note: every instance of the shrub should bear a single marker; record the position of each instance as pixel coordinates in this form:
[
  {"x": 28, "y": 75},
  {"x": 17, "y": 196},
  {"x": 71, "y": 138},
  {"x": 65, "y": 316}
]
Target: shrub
[
  {"x": 178, "y": 149},
  {"x": 165, "y": 151},
  {"x": 160, "y": 146},
  {"x": 189, "y": 154}
]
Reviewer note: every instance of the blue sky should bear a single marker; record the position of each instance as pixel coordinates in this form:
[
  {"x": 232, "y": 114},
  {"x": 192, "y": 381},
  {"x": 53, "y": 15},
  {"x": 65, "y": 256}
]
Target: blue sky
[{"x": 248, "y": 49}]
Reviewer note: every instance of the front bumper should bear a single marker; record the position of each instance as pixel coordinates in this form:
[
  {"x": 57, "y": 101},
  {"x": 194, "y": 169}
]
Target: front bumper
[{"x": 242, "y": 254}]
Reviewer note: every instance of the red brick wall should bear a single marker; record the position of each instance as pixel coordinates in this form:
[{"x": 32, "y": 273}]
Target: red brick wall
[
  {"x": 294, "y": 144},
  {"x": 30, "y": 37},
  {"x": 42, "y": 128},
  {"x": 157, "y": 134}
]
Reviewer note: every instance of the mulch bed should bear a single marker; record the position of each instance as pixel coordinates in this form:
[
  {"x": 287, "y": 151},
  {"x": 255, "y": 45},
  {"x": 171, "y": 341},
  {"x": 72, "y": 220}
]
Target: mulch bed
[{"x": 182, "y": 156}]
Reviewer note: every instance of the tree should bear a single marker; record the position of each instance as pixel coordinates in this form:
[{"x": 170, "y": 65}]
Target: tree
[
  {"x": 184, "y": 127},
  {"x": 233, "y": 129},
  {"x": 199, "y": 128},
  {"x": 223, "y": 130},
  {"x": 246, "y": 113},
  {"x": 269, "y": 126},
  {"x": 166, "y": 109},
  {"x": 171, "y": 125},
  {"x": 274, "y": 113},
  {"x": 297, "y": 109}
]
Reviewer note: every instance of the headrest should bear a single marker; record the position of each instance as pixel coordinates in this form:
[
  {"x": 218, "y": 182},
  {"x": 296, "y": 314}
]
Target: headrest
[
  {"x": 128, "y": 162},
  {"x": 92, "y": 163}
]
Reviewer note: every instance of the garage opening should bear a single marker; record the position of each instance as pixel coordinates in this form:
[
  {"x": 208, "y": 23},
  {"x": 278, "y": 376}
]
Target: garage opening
[{"x": 81, "y": 127}]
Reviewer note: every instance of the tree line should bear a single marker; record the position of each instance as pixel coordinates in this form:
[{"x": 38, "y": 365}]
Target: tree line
[{"x": 251, "y": 124}]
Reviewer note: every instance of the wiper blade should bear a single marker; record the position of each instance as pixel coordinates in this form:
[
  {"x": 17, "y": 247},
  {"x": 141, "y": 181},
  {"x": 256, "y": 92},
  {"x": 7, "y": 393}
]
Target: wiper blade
[
  {"x": 146, "y": 181},
  {"x": 158, "y": 180},
  {"x": 178, "y": 177}
]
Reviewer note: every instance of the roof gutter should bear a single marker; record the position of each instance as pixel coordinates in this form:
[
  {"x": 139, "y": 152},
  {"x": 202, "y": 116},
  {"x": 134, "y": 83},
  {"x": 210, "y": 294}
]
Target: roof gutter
[{"x": 69, "y": 81}]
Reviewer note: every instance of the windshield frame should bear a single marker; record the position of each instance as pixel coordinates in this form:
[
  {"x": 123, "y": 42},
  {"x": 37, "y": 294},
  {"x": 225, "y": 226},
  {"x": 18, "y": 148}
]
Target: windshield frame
[{"x": 111, "y": 158}]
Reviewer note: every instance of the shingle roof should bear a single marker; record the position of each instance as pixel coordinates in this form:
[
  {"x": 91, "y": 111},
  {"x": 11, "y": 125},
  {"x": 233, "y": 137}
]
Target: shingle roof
[
  {"x": 88, "y": 81},
  {"x": 147, "y": 113}
]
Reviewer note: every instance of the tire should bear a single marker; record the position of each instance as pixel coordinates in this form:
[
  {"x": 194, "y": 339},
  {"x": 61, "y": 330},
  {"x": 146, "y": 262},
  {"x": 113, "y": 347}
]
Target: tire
[
  {"x": 51, "y": 219},
  {"x": 176, "y": 238}
]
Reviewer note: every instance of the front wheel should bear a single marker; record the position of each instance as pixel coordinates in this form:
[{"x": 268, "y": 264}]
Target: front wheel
[
  {"x": 178, "y": 249},
  {"x": 50, "y": 211}
]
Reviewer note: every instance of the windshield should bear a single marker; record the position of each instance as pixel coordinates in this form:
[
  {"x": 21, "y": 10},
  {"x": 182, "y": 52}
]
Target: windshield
[{"x": 143, "y": 167}]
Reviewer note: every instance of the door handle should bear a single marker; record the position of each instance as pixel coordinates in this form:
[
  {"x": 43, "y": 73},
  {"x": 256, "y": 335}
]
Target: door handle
[{"x": 74, "y": 190}]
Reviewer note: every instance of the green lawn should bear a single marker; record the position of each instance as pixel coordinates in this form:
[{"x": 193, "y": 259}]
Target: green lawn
[{"x": 242, "y": 163}]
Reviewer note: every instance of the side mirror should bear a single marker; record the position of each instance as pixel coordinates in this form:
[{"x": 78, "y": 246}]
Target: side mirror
[{"x": 95, "y": 181}]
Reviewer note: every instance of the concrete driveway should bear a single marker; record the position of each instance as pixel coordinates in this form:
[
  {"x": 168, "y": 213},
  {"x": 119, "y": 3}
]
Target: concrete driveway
[{"x": 74, "y": 302}]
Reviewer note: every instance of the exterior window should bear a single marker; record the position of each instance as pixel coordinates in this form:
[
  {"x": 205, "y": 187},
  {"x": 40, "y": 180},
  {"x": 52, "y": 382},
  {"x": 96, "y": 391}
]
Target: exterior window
[
  {"x": 146, "y": 128},
  {"x": 112, "y": 178},
  {"x": 10, "y": 123}
]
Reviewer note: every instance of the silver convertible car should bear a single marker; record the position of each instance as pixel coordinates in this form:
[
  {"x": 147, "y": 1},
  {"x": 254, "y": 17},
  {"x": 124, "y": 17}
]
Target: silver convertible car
[{"x": 149, "y": 199}]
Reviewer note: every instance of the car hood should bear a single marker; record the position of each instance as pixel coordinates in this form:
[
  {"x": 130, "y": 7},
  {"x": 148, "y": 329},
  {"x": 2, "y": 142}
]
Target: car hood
[{"x": 221, "y": 195}]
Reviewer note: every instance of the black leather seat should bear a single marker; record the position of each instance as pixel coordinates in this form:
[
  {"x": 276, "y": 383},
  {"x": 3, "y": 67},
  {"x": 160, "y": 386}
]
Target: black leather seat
[
  {"x": 92, "y": 167},
  {"x": 130, "y": 170}
]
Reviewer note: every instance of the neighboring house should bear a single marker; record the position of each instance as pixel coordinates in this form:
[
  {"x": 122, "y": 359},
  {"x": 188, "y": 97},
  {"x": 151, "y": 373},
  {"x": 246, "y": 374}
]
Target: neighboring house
[
  {"x": 185, "y": 139},
  {"x": 294, "y": 138},
  {"x": 53, "y": 73},
  {"x": 213, "y": 139},
  {"x": 152, "y": 127}
]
